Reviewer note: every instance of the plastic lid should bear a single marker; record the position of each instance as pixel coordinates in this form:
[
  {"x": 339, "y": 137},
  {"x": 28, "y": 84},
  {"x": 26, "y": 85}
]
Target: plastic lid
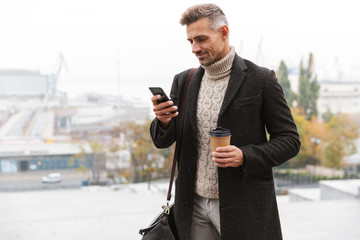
[{"x": 220, "y": 132}]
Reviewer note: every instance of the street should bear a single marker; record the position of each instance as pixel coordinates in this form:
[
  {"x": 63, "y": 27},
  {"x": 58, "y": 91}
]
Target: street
[
  {"x": 31, "y": 181},
  {"x": 31, "y": 185},
  {"x": 118, "y": 212}
]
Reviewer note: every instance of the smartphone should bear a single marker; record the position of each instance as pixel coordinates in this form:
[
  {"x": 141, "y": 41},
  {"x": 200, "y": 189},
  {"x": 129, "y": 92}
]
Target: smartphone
[{"x": 160, "y": 91}]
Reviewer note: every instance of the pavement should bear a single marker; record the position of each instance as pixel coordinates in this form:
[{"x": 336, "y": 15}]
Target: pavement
[{"x": 118, "y": 212}]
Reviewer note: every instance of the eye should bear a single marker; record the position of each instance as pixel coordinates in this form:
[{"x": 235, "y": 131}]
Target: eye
[{"x": 202, "y": 39}]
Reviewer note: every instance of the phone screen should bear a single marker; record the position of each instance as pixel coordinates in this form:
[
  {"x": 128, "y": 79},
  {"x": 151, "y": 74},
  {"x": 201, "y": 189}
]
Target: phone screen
[{"x": 160, "y": 91}]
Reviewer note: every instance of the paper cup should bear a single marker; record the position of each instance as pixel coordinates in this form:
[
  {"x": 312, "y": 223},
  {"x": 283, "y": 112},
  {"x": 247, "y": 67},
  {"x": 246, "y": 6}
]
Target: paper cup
[{"x": 219, "y": 137}]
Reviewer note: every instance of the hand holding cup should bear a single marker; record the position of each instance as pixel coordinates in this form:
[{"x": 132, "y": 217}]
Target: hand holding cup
[{"x": 224, "y": 154}]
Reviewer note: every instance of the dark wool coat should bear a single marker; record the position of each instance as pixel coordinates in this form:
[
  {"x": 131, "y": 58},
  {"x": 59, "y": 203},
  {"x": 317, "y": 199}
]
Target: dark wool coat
[{"x": 253, "y": 104}]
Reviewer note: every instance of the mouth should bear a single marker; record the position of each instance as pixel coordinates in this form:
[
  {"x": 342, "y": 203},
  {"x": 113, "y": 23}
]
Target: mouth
[{"x": 201, "y": 55}]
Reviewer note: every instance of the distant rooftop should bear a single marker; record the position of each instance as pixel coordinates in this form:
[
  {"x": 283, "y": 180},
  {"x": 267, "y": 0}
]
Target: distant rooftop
[
  {"x": 338, "y": 82},
  {"x": 18, "y": 72}
]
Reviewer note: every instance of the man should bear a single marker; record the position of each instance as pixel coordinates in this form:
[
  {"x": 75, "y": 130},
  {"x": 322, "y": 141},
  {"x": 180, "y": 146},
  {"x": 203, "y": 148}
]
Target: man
[{"x": 227, "y": 194}]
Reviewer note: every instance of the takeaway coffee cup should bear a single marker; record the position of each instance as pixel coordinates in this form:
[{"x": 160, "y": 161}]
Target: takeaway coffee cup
[{"x": 219, "y": 137}]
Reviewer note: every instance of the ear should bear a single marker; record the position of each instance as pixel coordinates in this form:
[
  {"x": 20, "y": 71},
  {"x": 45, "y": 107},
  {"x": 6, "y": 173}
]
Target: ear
[{"x": 224, "y": 30}]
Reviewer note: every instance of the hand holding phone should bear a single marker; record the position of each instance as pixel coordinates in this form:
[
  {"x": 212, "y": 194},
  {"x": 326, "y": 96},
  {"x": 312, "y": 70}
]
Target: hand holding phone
[
  {"x": 159, "y": 91},
  {"x": 164, "y": 110}
]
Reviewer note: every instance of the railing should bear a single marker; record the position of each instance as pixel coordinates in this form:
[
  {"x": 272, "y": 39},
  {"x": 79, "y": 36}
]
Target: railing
[{"x": 286, "y": 179}]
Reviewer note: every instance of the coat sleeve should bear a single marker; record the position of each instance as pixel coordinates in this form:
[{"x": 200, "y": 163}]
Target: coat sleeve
[
  {"x": 284, "y": 140},
  {"x": 165, "y": 138}
]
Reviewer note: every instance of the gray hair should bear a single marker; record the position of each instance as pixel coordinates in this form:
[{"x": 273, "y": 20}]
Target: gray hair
[{"x": 211, "y": 11}]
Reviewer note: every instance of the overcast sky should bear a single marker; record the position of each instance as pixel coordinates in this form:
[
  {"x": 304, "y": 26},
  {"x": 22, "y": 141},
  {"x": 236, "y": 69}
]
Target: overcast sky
[{"x": 143, "y": 41}]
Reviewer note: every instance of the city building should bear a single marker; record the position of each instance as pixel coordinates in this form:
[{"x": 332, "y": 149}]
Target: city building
[
  {"x": 42, "y": 135},
  {"x": 32, "y": 155},
  {"x": 339, "y": 97},
  {"x": 23, "y": 83},
  {"x": 335, "y": 96}
]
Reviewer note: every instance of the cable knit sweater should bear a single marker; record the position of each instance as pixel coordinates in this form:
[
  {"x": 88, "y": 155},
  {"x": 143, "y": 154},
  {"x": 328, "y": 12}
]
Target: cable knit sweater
[{"x": 212, "y": 91}]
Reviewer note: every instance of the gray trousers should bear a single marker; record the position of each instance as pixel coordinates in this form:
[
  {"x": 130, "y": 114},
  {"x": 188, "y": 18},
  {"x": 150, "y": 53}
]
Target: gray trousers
[{"x": 205, "y": 220}]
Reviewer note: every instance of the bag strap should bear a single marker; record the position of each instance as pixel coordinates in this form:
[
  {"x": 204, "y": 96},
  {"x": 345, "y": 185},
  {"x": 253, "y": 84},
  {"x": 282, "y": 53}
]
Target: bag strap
[{"x": 179, "y": 130}]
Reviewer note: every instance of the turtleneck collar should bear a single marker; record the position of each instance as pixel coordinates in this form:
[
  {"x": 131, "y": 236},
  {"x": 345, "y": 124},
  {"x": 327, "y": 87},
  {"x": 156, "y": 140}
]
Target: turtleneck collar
[{"x": 221, "y": 68}]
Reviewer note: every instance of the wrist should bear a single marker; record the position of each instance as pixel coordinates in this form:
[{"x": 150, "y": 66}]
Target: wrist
[{"x": 163, "y": 126}]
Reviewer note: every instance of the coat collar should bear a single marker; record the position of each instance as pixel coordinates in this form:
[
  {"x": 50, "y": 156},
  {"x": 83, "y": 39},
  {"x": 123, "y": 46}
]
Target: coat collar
[{"x": 237, "y": 77}]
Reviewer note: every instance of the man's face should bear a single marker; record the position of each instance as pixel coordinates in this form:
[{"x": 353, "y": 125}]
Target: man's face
[{"x": 207, "y": 44}]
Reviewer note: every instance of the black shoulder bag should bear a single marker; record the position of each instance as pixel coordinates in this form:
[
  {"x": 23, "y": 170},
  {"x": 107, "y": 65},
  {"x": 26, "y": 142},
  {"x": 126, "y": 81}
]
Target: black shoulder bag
[{"x": 163, "y": 226}]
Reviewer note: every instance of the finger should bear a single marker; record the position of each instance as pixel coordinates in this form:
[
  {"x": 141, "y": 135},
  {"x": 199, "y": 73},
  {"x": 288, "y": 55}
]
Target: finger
[
  {"x": 220, "y": 160},
  {"x": 166, "y": 111},
  {"x": 163, "y": 105},
  {"x": 223, "y": 155},
  {"x": 167, "y": 117},
  {"x": 225, "y": 149},
  {"x": 155, "y": 99},
  {"x": 227, "y": 163},
  {"x": 223, "y": 162},
  {"x": 221, "y": 165}
]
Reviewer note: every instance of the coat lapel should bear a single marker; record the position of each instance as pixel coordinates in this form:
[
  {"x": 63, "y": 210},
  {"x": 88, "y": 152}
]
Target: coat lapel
[
  {"x": 236, "y": 79},
  {"x": 193, "y": 93}
]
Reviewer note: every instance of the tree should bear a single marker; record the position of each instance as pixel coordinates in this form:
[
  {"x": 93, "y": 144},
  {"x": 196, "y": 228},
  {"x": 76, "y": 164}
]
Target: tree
[
  {"x": 97, "y": 160},
  {"x": 308, "y": 89},
  {"x": 327, "y": 115},
  {"x": 143, "y": 152},
  {"x": 312, "y": 136},
  {"x": 93, "y": 158},
  {"x": 325, "y": 143},
  {"x": 313, "y": 141},
  {"x": 284, "y": 81},
  {"x": 341, "y": 133},
  {"x": 301, "y": 124}
]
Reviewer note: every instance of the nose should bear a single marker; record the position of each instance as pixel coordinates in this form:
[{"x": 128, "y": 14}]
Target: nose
[{"x": 195, "y": 47}]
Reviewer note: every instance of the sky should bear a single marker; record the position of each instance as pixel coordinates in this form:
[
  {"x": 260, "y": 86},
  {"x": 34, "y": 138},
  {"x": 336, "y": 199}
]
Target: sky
[{"x": 124, "y": 47}]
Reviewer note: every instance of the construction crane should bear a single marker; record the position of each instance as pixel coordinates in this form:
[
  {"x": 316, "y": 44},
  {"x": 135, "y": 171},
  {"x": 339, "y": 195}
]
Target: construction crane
[
  {"x": 338, "y": 69},
  {"x": 259, "y": 59},
  {"x": 54, "y": 77},
  {"x": 241, "y": 48}
]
